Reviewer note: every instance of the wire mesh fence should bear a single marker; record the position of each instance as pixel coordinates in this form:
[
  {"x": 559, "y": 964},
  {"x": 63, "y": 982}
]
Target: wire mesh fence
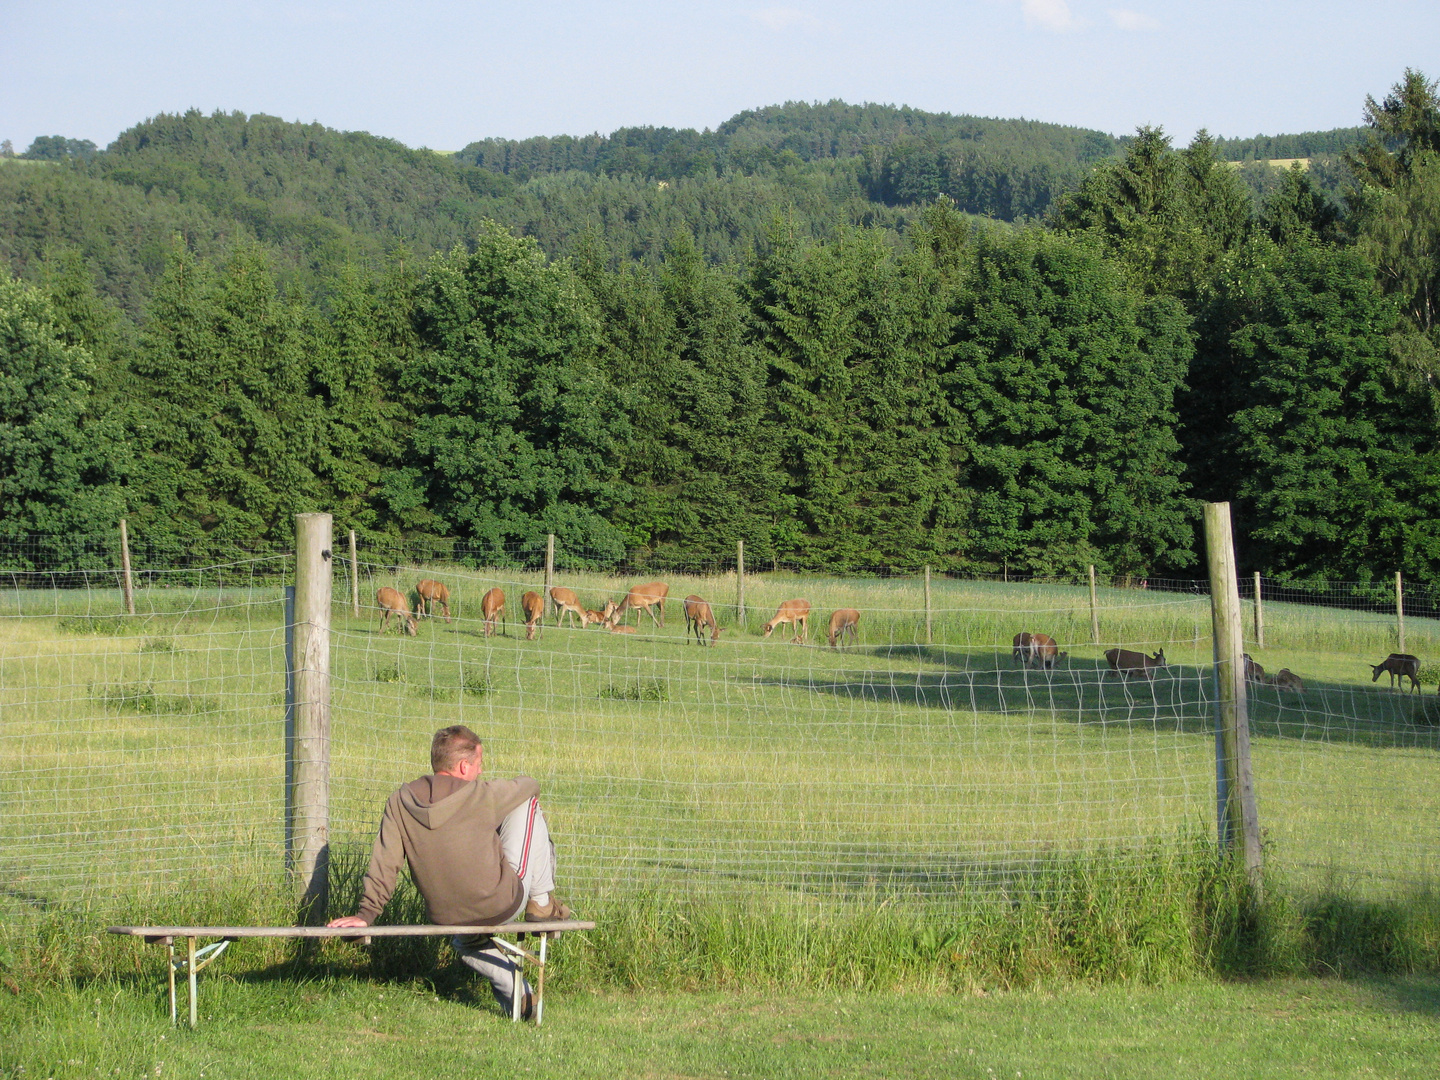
[{"x": 922, "y": 754}]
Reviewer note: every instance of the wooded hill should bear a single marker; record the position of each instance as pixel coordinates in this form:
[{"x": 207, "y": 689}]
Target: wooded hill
[{"x": 796, "y": 330}]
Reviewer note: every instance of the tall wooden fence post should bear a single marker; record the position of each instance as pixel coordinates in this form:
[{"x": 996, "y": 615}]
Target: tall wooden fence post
[
  {"x": 1259, "y": 615},
  {"x": 1094, "y": 610},
  {"x": 549, "y": 571},
  {"x": 929, "y": 635},
  {"x": 128, "y": 586},
  {"x": 1238, "y": 820},
  {"x": 354, "y": 577},
  {"x": 740, "y": 584},
  {"x": 1399, "y": 612},
  {"x": 307, "y": 765}
]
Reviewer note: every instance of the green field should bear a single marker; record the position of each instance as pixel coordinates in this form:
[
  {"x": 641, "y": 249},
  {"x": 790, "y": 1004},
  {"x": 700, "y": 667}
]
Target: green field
[{"x": 898, "y": 772}]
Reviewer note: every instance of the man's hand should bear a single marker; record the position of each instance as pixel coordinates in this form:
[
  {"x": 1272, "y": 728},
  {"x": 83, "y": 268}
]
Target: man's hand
[{"x": 348, "y": 922}]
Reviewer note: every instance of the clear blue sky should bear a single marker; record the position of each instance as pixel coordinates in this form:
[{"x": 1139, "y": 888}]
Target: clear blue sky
[{"x": 441, "y": 74}]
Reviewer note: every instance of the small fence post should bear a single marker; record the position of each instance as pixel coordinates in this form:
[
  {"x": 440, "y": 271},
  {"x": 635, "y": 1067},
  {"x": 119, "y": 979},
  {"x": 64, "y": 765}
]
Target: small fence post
[
  {"x": 1239, "y": 823},
  {"x": 354, "y": 577},
  {"x": 929, "y": 637},
  {"x": 128, "y": 586},
  {"x": 1094, "y": 610},
  {"x": 307, "y": 765},
  {"x": 1399, "y": 612},
  {"x": 549, "y": 571},
  {"x": 740, "y": 584},
  {"x": 1259, "y": 615}
]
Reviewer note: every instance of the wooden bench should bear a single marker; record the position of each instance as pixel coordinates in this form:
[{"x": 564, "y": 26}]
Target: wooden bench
[{"x": 197, "y": 958}]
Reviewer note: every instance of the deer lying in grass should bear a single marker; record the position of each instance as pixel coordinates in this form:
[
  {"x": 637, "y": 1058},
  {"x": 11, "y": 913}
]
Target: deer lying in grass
[
  {"x": 393, "y": 603},
  {"x": 1129, "y": 664},
  {"x": 1402, "y": 665},
  {"x": 567, "y": 606},
  {"x": 1253, "y": 671},
  {"x": 845, "y": 621},
  {"x": 698, "y": 616},
  {"x": 492, "y": 606},
  {"x": 643, "y": 598},
  {"x": 795, "y": 613},
  {"x": 1285, "y": 679},
  {"x": 533, "y": 605},
  {"x": 432, "y": 593},
  {"x": 1036, "y": 650}
]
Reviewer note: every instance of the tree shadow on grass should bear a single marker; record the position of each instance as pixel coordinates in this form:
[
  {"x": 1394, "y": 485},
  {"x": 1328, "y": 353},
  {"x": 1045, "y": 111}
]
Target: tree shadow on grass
[{"x": 1178, "y": 699}]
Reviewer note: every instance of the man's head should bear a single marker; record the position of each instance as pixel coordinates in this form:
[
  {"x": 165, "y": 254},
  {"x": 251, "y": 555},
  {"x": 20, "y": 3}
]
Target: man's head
[{"x": 456, "y": 749}]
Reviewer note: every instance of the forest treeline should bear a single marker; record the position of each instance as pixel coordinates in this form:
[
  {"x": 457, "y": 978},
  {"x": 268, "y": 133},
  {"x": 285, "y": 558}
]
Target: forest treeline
[{"x": 789, "y": 331}]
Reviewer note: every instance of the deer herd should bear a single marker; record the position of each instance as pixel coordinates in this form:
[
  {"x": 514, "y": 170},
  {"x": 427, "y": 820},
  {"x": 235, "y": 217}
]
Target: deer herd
[{"x": 1029, "y": 650}]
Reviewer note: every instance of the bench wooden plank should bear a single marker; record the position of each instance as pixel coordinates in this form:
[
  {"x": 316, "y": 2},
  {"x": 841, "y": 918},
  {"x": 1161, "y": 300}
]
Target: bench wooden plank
[{"x": 411, "y": 930}]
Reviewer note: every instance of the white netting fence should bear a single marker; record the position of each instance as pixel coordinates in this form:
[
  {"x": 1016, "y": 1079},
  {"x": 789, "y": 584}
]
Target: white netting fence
[{"x": 149, "y": 749}]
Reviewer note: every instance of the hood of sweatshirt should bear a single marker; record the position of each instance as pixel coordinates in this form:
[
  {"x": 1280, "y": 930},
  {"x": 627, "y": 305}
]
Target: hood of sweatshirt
[{"x": 434, "y": 800}]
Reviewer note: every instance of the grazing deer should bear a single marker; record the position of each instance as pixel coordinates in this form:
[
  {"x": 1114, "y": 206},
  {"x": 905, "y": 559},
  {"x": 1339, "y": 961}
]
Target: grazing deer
[
  {"x": 1253, "y": 671},
  {"x": 1129, "y": 664},
  {"x": 432, "y": 593},
  {"x": 697, "y": 617},
  {"x": 794, "y": 612},
  {"x": 533, "y": 605},
  {"x": 845, "y": 621},
  {"x": 643, "y": 597},
  {"x": 1286, "y": 679},
  {"x": 393, "y": 603},
  {"x": 1036, "y": 650},
  {"x": 1399, "y": 664},
  {"x": 567, "y": 606},
  {"x": 492, "y": 606}
]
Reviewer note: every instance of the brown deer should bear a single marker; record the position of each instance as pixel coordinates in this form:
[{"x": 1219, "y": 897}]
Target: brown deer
[
  {"x": 643, "y": 597},
  {"x": 1036, "y": 650},
  {"x": 697, "y": 617},
  {"x": 1129, "y": 664},
  {"x": 1399, "y": 664},
  {"x": 492, "y": 606},
  {"x": 1286, "y": 679},
  {"x": 393, "y": 603},
  {"x": 1253, "y": 671},
  {"x": 621, "y": 628},
  {"x": 794, "y": 612},
  {"x": 533, "y": 605},
  {"x": 845, "y": 621},
  {"x": 567, "y": 606},
  {"x": 432, "y": 593}
]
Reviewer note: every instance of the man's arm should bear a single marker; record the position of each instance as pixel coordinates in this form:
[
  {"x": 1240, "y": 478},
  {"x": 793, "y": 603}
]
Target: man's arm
[{"x": 386, "y": 856}]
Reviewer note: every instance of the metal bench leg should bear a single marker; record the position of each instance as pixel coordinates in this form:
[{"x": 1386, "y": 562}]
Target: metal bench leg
[
  {"x": 170, "y": 946},
  {"x": 540, "y": 982},
  {"x": 190, "y": 965}
]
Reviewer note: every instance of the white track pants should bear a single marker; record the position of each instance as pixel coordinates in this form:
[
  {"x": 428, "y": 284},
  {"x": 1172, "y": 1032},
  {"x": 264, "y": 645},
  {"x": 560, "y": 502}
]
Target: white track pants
[{"x": 525, "y": 840}]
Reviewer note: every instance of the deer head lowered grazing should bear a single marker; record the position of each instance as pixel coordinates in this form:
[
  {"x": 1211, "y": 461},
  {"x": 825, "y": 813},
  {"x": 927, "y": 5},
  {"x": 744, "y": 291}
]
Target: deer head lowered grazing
[
  {"x": 698, "y": 616},
  {"x": 795, "y": 613},
  {"x": 393, "y": 603},
  {"x": 1401, "y": 665}
]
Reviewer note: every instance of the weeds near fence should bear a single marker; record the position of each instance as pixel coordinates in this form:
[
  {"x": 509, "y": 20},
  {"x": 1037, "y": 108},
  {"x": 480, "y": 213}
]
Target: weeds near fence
[{"x": 636, "y": 690}]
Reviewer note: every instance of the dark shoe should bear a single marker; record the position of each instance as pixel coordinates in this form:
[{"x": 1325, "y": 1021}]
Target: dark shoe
[{"x": 527, "y": 1006}]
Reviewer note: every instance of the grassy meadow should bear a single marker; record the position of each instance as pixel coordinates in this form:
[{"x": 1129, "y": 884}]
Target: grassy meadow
[{"x": 762, "y": 809}]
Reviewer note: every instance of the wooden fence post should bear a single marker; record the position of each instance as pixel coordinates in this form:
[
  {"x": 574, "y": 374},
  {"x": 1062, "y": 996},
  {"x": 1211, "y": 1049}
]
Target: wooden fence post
[
  {"x": 308, "y": 715},
  {"x": 740, "y": 584},
  {"x": 354, "y": 577},
  {"x": 128, "y": 586},
  {"x": 1238, "y": 820},
  {"x": 929, "y": 636},
  {"x": 549, "y": 571},
  {"x": 1094, "y": 612},
  {"x": 1259, "y": 615},
  {"x": 1399, "y": 613}
]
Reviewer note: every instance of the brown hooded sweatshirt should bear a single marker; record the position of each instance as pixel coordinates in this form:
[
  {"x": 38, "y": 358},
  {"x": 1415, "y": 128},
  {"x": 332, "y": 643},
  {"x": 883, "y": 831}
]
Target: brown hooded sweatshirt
[{"x": 448, "y": 831}]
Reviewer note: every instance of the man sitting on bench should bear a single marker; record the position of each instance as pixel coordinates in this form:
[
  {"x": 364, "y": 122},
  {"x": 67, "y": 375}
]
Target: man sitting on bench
[{"x": 479, "y": 851}]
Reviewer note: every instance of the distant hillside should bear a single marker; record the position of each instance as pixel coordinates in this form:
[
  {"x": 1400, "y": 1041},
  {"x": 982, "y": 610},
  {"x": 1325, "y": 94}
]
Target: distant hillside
[
  {"x": 319, "y": 199},
  {"x": 1308, "y": 144}
]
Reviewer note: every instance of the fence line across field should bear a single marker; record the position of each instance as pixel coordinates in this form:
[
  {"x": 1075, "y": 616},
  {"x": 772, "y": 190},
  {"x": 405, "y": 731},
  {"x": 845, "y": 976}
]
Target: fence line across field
[{"x": 923, "y": 757}]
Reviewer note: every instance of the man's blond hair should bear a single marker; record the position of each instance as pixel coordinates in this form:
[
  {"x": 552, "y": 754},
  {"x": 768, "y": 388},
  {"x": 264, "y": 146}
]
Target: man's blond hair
[{"x": 452, "y": 745}]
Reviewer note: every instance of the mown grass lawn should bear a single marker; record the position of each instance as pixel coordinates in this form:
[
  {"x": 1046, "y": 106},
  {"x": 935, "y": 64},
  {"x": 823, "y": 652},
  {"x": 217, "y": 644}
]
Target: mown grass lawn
[{"x": 271, "y": 1027}]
